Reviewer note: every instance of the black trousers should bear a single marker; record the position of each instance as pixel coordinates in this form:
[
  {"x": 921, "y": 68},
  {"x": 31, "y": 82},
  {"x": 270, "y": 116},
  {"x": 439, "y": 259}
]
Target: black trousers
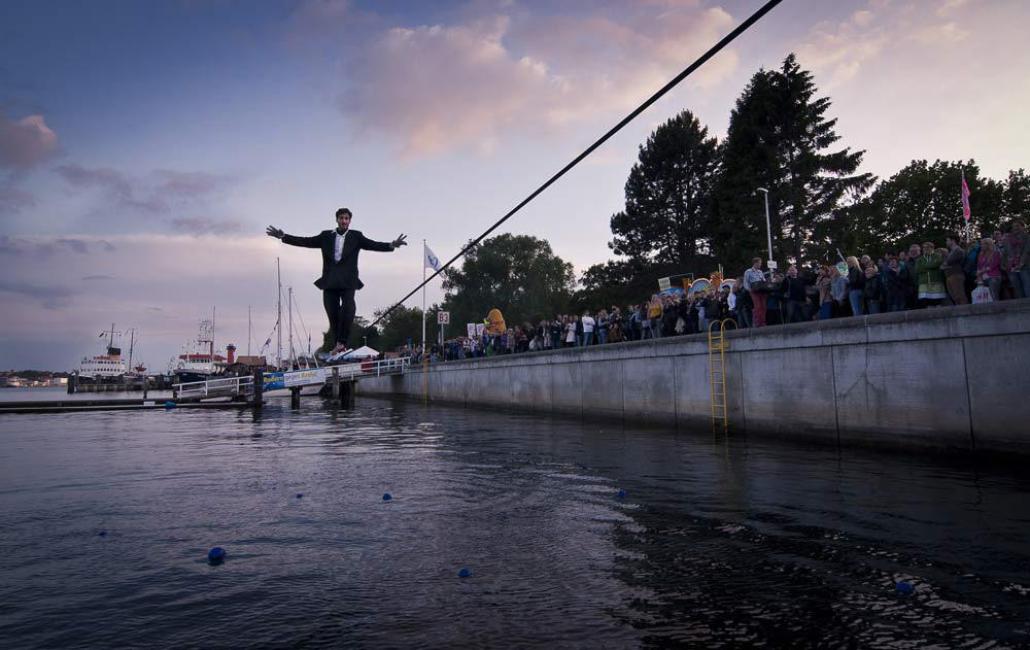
[{"x": 340, "y": 308}]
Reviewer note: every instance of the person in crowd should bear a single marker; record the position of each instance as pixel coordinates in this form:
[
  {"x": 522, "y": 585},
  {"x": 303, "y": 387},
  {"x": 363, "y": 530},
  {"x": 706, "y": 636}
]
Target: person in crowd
[
  {"x": 894, "y": 283},
  {"x": 670, "y": 313},
  {"x": 839, "y": 291},
  {"x": 755, "y": 284},
  {"x": 824, "y": 283},
  {"x": 909, "y": 280},
  {"x": 731, "y": 303},
  {"x": 794, "y": 296},
  {"x": 602, "y": 327},
  {"x": 556, "y": 329},
  {"x": 588, "y": 324},
  {"x": 774, "y": 308},
  {"x": 1015, "y": 245},
  {"x": 873, "y": 290},
  {"x": 654, "y": 316},
  {"x": 856, "y": 286},
  {"x": 744, "y": 304},
  {"x": 570, "y": 330},
  {"x": 929, "y": 276},
  {"x": 988, "y": 267},
  {"x": 954, "y": 271}
]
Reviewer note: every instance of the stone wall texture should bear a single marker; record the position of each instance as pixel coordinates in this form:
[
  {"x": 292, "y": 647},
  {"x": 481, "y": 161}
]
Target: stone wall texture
[{"x": 955, "y": 378}]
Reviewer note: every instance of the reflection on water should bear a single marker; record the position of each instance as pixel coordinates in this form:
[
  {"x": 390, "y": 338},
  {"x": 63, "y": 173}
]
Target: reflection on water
[{"x": 732, "y": 543}]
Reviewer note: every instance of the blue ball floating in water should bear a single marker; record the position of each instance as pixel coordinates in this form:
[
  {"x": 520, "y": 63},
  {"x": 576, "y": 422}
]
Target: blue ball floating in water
[
  {"x": 216, "y": 555},
  {"x": 465, "y": 572},
  {"x": 904, "y": 588},
  {"x": 300, "y": 495},
  {"x": 102, "y": 533},
  {"x": 387, "y": 497},
  {"x": 622, "y": 494},
  {"x": 169, "y": 404}
]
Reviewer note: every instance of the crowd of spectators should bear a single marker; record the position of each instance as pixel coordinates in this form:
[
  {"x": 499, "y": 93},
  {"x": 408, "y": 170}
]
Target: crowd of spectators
[{"x": 921, "y": 276}]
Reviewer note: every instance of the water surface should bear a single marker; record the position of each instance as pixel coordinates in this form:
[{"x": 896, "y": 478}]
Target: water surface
[{"x": 106, "y": 520}]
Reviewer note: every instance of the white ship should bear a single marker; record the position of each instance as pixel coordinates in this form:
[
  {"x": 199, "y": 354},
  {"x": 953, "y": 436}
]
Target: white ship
[{"x": 104, "y": 366}]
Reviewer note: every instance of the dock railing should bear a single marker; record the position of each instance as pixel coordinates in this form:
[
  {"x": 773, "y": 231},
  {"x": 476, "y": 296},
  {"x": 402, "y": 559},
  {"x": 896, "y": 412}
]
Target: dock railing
[{"x": 244, "y": 386}]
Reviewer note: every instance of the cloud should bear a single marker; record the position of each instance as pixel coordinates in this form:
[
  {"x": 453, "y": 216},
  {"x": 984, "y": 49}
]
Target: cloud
[
  {"x": 14, "y": 199},
  {"x": 97, "y": 278},
  {"x": 162, "y": 193},
  {"x": 49, "y": 297},
  {"x": 466, "y": 84},
  {"x": 206, "y": 225},
  {"x": 26, "y": 142},
  {"x": 44, "y": 247},
  {"x": 838, "y": 52}
]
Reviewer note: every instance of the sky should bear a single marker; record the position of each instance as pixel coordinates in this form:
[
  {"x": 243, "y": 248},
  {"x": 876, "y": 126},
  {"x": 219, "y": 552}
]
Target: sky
[{"x": 145, "y": 146}]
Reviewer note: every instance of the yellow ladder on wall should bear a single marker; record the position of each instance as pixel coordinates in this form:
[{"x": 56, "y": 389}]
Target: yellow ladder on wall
[{"x": 717, "y": 346}]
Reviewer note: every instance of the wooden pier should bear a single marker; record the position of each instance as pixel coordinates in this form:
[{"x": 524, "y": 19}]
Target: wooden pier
[{"x": 336, "y": 385}]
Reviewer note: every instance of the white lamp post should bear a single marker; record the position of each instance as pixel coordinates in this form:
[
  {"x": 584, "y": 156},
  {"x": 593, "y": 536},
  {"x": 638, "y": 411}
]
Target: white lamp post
[{"x": 768, "y": 227}]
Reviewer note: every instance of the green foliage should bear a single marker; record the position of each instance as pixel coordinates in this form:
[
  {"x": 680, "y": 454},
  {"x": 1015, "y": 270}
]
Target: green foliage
[
  {"x": 923, "y": 202},
  {"x": 405, "y": 323},
  {"x": 1016, "y": 196},
  {"x": 665, "y": 221},
  {"x": 779, "y": 138},
  {"x": 615, "y": 282},
  {"x": 517, "y": 274}
]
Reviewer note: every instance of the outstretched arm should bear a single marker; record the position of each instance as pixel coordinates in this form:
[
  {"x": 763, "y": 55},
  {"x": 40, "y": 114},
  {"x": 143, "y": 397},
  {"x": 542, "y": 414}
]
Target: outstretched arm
[
  {"x": 306, "y": 242},
  {"x": 382, "y": 246}
]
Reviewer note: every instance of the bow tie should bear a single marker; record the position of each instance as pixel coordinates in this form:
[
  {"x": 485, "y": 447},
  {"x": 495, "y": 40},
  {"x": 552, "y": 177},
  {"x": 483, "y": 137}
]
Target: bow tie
[{"x": 341, "y": 232}]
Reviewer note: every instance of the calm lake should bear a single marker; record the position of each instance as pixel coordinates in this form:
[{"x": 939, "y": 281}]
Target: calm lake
[{"x": 572, "y": 533}]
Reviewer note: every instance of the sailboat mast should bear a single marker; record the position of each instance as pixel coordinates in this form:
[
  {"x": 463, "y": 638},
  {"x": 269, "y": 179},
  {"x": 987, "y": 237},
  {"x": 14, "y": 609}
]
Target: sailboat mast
[
  {"x": 212, "y": 335},
  {"x": 289, "y": 310},
  {"x": 279, "y": 316},
  {"x": 132, "y": 343},
  {"x": 248, "y": 330}
]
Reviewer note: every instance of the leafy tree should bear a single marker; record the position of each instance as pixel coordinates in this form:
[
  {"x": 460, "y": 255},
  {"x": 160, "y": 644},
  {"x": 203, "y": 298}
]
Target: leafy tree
[
  {"x": 1016, "y": 197},
  {"x": 923, "y": 202},
  {"x": 361, "y": 333},
  {"x": 517, "y": 274},
  {"x": 616, "y": 282},
  {"x": 665, "y": 221},
  {"x": 404, "y": 324},
  {"x": 779, "y": 138}
]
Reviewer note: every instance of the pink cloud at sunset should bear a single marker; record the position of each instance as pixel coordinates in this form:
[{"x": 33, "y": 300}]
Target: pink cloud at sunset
[
  {"x": 26, "y": 142},
  {"x": 445, "y": 86}
]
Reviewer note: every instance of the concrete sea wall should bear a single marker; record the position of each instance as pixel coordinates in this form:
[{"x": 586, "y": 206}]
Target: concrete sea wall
[{"x": 954, "y": 378}]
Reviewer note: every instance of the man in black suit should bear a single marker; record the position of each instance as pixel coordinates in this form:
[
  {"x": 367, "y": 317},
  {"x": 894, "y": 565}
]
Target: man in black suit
[{"x": 339, "y": 279}]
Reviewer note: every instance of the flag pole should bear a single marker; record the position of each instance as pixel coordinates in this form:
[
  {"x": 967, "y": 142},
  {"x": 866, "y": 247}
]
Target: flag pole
[
  {"x": 423, "y": 297},
  {"x": 425, "y": 353}
]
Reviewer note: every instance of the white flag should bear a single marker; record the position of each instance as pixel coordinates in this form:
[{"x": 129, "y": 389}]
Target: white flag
[{"x": 432, "y": 261}]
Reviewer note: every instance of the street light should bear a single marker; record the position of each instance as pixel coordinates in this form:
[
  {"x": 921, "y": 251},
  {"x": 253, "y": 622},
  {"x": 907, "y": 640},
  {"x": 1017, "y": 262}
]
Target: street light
[{"x": 768, "y": 227}]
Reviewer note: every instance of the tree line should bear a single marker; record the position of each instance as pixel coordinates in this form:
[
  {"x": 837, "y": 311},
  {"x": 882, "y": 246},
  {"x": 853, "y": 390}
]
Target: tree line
[{"x": 691, "y": 206}]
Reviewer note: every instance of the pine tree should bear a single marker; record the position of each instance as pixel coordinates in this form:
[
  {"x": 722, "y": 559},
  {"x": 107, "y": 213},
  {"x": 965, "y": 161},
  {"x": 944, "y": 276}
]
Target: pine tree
[
  {"x": 779, "y": 138},
  {"x": 664, "y": 224}
]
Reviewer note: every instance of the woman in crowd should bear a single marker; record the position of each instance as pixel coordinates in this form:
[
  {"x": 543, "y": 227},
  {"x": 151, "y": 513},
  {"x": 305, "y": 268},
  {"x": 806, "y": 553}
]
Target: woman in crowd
[
  {"x": 754, "y": 284},
  {"x": 856, "y": 286},
  {"x": 988, "y": 267},
  {"x": 825, "y": 285},
  {"x": 570, "y": 330}
]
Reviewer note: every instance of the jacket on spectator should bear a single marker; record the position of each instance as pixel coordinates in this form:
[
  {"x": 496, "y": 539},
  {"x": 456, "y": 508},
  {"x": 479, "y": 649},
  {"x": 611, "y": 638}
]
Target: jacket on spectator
[{"x": 928, "y": 272}]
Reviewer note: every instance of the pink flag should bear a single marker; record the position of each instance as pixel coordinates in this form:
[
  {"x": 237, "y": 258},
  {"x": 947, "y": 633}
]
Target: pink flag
[{"x": 966, "y": 212}]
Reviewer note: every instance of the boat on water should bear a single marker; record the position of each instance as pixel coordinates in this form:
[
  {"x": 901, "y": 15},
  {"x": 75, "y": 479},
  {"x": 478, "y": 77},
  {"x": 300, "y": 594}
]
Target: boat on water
[
  {"x": 104, "y": 367},
  {"x": 198, "y": 360}
]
